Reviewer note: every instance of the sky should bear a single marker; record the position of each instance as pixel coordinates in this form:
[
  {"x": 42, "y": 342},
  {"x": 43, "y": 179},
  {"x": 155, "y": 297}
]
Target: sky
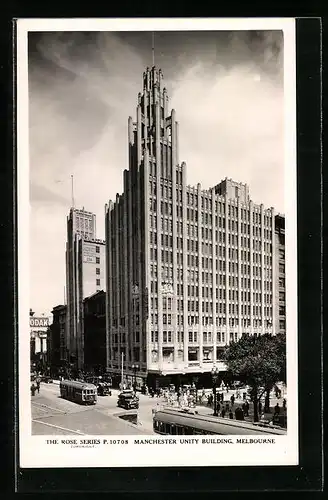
[{"x": 226, "y": 88}]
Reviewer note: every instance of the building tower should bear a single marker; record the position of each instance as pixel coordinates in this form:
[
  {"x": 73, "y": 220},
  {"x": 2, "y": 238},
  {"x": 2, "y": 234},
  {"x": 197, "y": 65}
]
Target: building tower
[
  {"x": 80, "y": 225},
  {"x": 188, "y": 270}
]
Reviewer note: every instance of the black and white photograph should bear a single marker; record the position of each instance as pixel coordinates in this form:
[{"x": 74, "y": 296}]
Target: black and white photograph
[{"x": 157, "y": 242}]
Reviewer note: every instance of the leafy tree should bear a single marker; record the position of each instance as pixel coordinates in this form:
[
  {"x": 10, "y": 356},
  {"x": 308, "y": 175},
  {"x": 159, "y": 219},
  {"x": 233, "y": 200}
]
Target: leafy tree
[{"x": 259, "y": 362}]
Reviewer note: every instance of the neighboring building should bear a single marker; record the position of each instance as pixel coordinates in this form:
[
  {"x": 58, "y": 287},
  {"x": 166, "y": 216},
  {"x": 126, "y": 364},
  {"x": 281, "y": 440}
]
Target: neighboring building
[
  {"x": 39, "y": 331},
  {"x": 57, "y": 345},
  {"x": 189, "y": 270},
  {"x": 85, "y": 260},
  {"x": 94, "y": 313},
  {"x": 280, "y": 272}
]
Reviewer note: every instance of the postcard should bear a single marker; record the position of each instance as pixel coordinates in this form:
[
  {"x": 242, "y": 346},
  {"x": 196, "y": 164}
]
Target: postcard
[{"x": 157, "y": 242}]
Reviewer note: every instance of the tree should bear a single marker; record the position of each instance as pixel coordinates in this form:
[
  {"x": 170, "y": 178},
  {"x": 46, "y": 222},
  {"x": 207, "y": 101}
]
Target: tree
[{"x": 259, "y": 362}]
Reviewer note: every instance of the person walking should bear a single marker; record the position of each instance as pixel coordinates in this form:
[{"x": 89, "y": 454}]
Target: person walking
[
  {"x": 277, "y": 409},
  {"x": 38, "y": 385},
  {"x": 232, "y": 399},
  {"x": 246, "y": 408},
  {"x": 33, "y": 389},
  {"x": 284, "y": 404}
]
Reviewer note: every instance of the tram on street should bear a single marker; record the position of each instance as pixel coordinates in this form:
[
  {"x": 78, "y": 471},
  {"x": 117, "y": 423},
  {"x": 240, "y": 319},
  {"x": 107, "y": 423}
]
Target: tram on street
[
  {"x": 78, "y": 392},
  {"x": 186, "y": 422}
]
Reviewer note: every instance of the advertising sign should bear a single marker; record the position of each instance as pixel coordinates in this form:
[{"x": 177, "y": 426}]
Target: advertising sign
[
  {"x": 89, "y": 253},
  {"x": 41, "y": 322}
]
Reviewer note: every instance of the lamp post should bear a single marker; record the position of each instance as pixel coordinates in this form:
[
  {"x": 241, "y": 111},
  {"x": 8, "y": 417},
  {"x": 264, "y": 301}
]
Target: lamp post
[
  {"x": 215, "y": 376},
  {"x": 135, "y": 367}
]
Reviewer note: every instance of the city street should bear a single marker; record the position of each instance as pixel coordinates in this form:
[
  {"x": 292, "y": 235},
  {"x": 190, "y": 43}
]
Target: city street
[{"x": 53, "y": 415}]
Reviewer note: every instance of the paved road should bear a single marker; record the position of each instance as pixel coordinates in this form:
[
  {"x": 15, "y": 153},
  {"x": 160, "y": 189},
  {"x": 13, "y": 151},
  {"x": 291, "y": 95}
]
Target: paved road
[{"x": 53, "y": 415}]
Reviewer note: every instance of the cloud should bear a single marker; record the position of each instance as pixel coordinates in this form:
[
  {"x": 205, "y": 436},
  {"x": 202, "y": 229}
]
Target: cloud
[
  {"x": 228, "y": 95},
  {"x": 231, "y": 124},
  {"x": 42, "y": 195}
]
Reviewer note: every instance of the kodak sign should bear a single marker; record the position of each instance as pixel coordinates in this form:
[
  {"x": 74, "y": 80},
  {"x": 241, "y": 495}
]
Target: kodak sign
[{"x": 39, "y": 322}]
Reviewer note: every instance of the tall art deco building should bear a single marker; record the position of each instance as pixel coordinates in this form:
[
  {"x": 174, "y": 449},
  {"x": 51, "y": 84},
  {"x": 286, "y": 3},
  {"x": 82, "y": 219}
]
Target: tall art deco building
[{"x": 188, "y": 270}]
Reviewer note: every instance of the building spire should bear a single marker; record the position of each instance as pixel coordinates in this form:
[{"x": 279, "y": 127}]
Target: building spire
[
  {"x": 153, "y": 47},
  {"x": 72, "y": 178}
]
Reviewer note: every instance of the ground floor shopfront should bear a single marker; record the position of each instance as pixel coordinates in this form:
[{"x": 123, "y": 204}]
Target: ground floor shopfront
[{"x": 156, "y": 379}]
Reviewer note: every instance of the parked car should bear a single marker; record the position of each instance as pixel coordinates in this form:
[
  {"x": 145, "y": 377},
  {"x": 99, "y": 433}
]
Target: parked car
[
  {"x": 103, "y": 387},
  {"x": 128, "y": 400}
]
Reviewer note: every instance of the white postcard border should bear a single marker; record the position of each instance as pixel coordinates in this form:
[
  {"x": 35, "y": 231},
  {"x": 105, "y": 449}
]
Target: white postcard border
[{"x": 34, "y": 450}]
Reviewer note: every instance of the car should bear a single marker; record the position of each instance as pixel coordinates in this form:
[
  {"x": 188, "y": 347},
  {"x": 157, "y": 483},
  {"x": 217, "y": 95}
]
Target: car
[
  {"x": 128, "y": 400},
  {"x": 46, "y": 379}
]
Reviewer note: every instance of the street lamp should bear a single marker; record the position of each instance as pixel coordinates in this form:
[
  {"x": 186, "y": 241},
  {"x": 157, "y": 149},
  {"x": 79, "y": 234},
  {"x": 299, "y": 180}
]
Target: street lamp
[
  {"x": 135, "y": 368},
  {"x": 215, "y": 376}
]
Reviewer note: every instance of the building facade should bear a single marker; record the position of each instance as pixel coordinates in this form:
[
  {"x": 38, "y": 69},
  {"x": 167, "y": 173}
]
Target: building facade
[
  {"x": 57, "y": 346},
  {"x": 188, "y": 270},
  {"x": 94, "y": 314},
  {"x": 280, "y": 273},
  {"x": 85, "y": 262},
  {"x": 39, "y": 340}
]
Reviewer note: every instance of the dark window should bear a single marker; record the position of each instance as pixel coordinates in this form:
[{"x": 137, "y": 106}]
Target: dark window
[
  {"x": 97, "y": 260},
  {"x": 97, "y": 282},
  {"x": 97, "y": 270},
  {"x": 97, "y": 249}
]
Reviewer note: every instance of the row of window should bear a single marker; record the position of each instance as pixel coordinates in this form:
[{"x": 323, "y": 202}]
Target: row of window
[
  {"x": 192, "y": 214},
  {"x": 220, "y": 280},
  {"x": 220, "y": 321},
  {"x": 207, "y": 292},
  {"x": 207, "y": 232},
  {"x": 208, "y": 320},
  {"x": 193, "y": 337},
  {"x": 207, "y": 262},
  {"x": 84, "y": 224}
]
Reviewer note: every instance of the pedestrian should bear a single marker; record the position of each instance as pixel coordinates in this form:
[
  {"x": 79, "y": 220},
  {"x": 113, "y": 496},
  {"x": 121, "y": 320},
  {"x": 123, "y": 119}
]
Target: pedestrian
[
  {"x": 223, "y": 412},
  {"x": 230, "y": 415},
  {"x": 277, "y": 409},
  {"x": 239, "y": 414},
  {"x": 246, "y": 408},
  {"x": 33, "y": 389},
  {"x": 38, "y": 385},
  {"x": 232, "y": 399},
  {"x": 284, "y": 404}
]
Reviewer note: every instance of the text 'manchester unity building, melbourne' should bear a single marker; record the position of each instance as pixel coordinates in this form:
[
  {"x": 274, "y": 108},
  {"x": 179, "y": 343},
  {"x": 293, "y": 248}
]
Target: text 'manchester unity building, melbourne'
[{"x": 189, "y": 270}]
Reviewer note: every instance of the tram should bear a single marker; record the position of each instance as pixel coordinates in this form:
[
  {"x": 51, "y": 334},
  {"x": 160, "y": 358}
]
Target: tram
[
  {"x": 78, "y": 392},
  {"x": 186, "y": 422}
]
